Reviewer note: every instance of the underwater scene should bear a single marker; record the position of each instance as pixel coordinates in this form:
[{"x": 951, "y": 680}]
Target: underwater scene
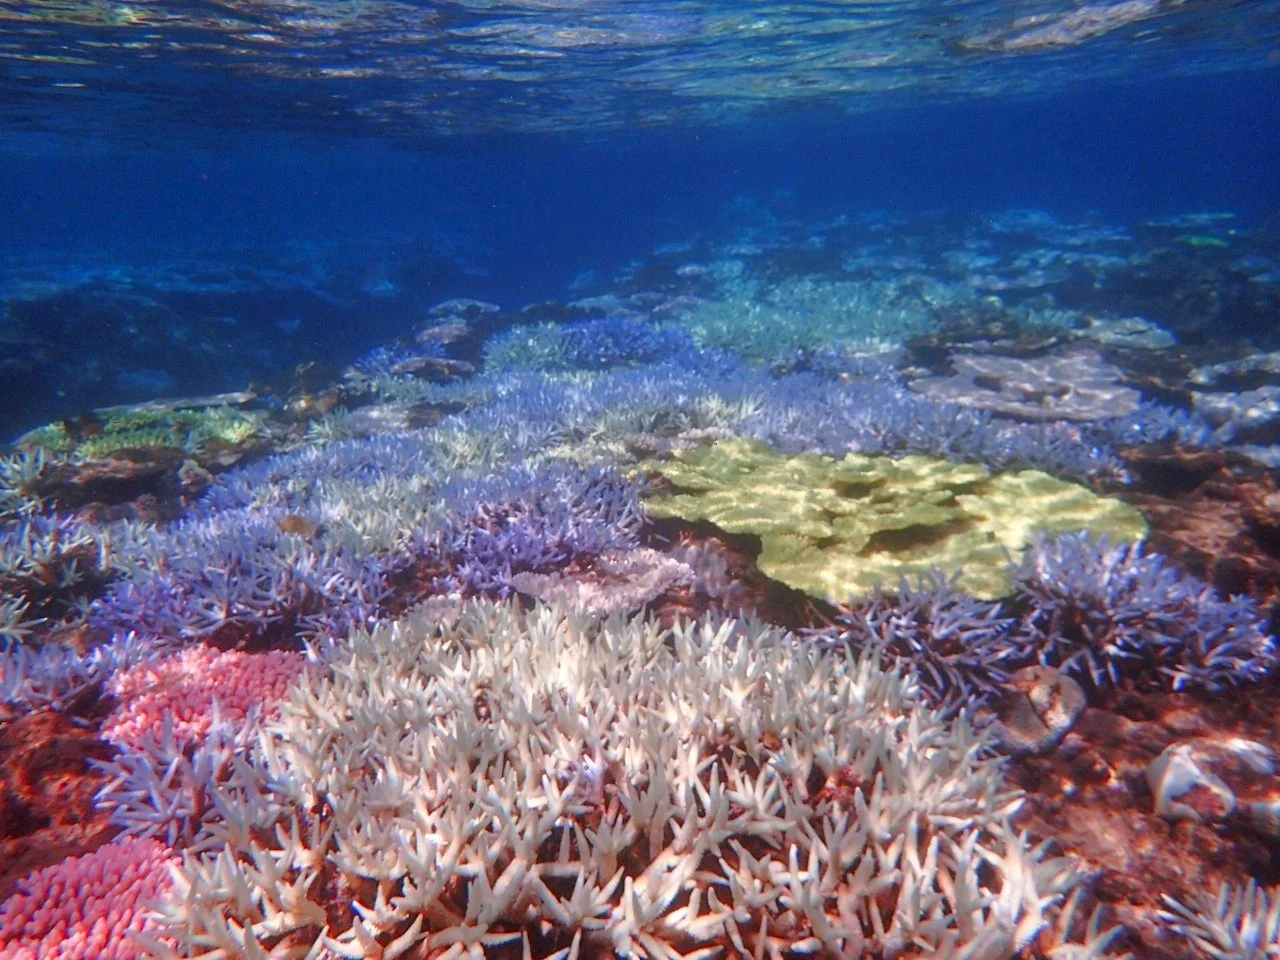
[{"x": 643, "y": 479}]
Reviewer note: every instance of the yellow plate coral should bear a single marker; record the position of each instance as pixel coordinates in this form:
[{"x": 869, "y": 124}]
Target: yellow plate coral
[{"x": 835, "y": 528}]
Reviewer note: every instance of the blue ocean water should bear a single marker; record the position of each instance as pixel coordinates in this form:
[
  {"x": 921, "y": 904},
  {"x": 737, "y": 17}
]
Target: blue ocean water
[
  {"x": 639, "y": 478},
  {"x": 503, "y": 151}
]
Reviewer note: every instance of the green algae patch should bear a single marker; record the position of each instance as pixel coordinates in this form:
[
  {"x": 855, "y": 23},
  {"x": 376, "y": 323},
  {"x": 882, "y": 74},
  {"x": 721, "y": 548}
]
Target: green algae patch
[
  {"x": 1203, "y": 241},
  {"x": 836, "y": 528},
  {"x": 195, "y": 430}
]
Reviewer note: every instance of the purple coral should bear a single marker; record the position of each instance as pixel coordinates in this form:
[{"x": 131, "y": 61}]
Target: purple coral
[
  {"x": 238, "y": 576},
  {"x": 1106, "y": 612},
  {"x": 1101, "y": 613},
  {"x": 529, "y": 521},
  {"x": 622, "y": 341},
  {"x": 958, "y": 648},
  {"x": 872, "y": 412}
]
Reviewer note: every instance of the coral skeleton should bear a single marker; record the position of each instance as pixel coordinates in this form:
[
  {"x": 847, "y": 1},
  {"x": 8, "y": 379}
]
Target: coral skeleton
[
  {"x": 566, "y": 786},
  {"x": 1240, "y": 923}
]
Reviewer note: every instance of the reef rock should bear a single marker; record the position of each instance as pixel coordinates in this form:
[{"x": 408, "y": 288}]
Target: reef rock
[{"x": 1075, "y": 385}]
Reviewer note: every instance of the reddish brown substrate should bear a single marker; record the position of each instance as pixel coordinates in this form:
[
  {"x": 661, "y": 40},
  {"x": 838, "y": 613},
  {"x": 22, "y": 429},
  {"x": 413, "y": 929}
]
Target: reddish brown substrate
[
  {"x": 1091, "y": 796},
  {"x": 1214, "y": 513},
  {"x": 753, "y": 592},
  {"x": 47, "y": 788}
]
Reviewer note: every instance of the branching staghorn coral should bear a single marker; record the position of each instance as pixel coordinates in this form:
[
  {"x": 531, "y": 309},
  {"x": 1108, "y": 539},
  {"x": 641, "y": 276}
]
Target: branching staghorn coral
[
  {"x": 1104, "y": 614},
  {"x": 613, "y": 341},
  {"x": 565, "y": 786},
  {"x": 236, "y": 576},
  {"x": 162, "y": 787},
  {"x": 527, "y": 521},
  {"x": 766, "y": 322},
  {"x": 50, "y": 568},
  {"x": 1102, "y": 611},
  {"x": 957, "y": 648},
  {"x": 1241, "y": 923},
  {"x": 52, "y": 676},
  {"x": 19, "y": 479}
]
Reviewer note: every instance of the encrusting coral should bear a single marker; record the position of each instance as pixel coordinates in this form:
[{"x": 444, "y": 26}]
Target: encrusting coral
[
  {"x": 838, "y": 528},
  {"x": 84, "y": 908},
  {"x": 568, "y": 787},
  {"x": 180, "y": 690}
]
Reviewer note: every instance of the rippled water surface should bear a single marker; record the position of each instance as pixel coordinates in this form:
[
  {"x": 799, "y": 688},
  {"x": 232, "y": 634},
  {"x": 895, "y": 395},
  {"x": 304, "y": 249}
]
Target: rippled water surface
[{"x": 490, "y": 65}]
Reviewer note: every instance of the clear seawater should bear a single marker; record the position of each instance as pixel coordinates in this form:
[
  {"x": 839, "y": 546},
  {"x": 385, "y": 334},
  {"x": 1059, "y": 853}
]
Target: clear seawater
[
  {"x": 321, "y": 318},
  {"x": 503, "y": 150}
]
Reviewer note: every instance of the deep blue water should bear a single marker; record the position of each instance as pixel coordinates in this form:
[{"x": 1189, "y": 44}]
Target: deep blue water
[
  {"x": 405, "y": 154},
  {"x": 534, "y": 211}
]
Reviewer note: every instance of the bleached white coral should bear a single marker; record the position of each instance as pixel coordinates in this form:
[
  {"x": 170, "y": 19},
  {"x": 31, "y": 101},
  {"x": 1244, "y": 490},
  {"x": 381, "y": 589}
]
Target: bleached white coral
[
  {"x": 1241, "y": 923},
  {"x": 564, "y": 786}
]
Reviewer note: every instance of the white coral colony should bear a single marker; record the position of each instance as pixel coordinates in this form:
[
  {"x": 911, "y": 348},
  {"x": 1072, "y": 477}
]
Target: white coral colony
[{"x": 550, "y": 783}]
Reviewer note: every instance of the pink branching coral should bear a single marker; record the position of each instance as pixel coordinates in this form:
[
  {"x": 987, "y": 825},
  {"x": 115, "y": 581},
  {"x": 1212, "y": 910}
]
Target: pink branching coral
[
  {"x": 184, "y": 687},
  {"x": 85, "y": 906}
]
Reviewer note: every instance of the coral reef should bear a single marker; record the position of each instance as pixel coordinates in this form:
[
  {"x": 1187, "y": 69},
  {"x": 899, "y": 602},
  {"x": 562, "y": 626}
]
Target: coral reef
[
  {"x": 199, "y": 427},
  {"x": 838, "y": 528},
  {"x": 51, "y": 569},
  {"x": 1100, "y": 611},
  {"x": 617, "y": 581},
  {"x": 84, "y": 908},
  {"x": 527, "y": 521},
  {"x": 181, "y": 692},
  {"x": 612, "y": 341},
  {"x": 958, "y": 648},
  {"x": 1075, "y": 385},
  {"x": 266, "y": 650},
  {"x": 1238, "y": 922},
  {"x": 1215, "y": 513},
  {"x": 47, "y": 790},
  {"x": 766, "y": 323},
  {"x": 543, "y": 780}
]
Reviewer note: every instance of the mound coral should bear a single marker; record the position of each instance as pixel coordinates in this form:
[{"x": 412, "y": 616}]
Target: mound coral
[
  {"x": 84, "y": 907},
  {"x": 568, "y": 787},
  {"x": 181, "y": 690},
  {"x": 838, "y": 528}
]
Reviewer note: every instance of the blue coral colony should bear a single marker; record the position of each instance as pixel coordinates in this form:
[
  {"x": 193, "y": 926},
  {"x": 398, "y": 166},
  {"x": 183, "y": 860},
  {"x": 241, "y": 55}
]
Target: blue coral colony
[{"x": 865, "y": 585}]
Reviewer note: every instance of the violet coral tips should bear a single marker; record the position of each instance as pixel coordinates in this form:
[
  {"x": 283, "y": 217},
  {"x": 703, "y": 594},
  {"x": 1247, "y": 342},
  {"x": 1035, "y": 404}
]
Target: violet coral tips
[
  {"x": 550, "y": 783},
  {"x": 182, "y": 689},
  {"x": 85, "y": 908}
]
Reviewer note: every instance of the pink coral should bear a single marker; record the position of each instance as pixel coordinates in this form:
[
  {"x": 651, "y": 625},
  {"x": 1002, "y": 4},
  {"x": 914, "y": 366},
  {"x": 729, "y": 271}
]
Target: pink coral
[
  {"x": 84, "y": 906},
  {"x": 184, "y": 686}
]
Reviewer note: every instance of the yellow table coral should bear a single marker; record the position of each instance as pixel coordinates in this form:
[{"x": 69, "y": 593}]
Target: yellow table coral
[{"x": 835, "y": 528}]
